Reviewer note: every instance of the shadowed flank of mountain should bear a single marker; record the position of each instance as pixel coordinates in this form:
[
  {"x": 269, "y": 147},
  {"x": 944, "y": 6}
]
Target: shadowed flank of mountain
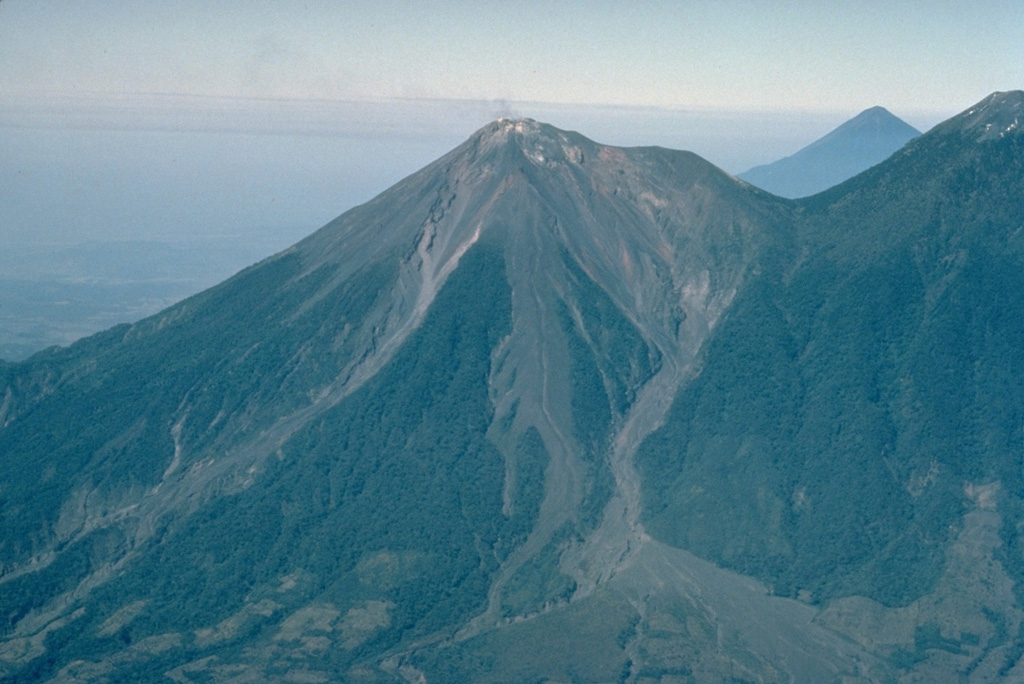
[
  {"x": 862, "y": 393},
  {"x": 856, "y": 145}
]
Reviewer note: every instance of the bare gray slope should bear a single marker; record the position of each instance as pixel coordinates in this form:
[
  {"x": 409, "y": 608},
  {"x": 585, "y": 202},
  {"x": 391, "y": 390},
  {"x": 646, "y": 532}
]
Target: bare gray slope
[
  {"x": 652, "y": 230},
  {"x": 666, "y": 236},
  {"x": 617, "y": 263}
]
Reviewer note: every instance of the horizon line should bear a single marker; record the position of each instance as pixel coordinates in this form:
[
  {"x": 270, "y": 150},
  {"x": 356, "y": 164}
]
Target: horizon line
[{"x": 38, "y": 97}]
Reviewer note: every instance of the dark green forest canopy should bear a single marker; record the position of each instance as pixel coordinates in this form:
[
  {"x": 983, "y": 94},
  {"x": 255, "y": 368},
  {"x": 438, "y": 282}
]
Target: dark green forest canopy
[
  {"x": 885, "y": 345},
  {"x": 401, "y": 469}
]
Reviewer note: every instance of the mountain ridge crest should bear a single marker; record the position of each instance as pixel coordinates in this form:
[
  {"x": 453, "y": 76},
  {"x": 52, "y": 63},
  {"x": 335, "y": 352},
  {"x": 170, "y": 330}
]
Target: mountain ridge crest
[{"x": 995, "y": 116}]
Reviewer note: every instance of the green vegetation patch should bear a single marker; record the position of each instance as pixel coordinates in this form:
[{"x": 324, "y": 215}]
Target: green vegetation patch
[
  {"x": 850, "y": 392},
  {"x": 394, "y": 495}
]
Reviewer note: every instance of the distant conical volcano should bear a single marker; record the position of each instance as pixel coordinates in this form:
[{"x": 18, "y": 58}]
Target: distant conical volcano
[
  {"x": 855, "y": 146},
  {"x": 526, "y": 415}
]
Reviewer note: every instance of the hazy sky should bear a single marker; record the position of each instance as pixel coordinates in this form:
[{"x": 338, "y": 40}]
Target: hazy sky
[
  {"x": 935, "y": 55},
  {"x": 138, "y": 118},
  {"x": 213, "y": 123}
]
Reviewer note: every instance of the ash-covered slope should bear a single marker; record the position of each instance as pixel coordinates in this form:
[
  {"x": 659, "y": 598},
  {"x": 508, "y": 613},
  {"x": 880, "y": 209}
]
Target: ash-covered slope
[
  {"x": 413, "y": 426},
  {"x": 854, "y": 146}
]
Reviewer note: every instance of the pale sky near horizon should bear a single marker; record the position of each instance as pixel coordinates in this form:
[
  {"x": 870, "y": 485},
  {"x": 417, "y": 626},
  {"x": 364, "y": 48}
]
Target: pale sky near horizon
[
  {"x": 240, "y": 127},
  {"x": 127, "y": 119},
  {"x": 936, "y": 56}
]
